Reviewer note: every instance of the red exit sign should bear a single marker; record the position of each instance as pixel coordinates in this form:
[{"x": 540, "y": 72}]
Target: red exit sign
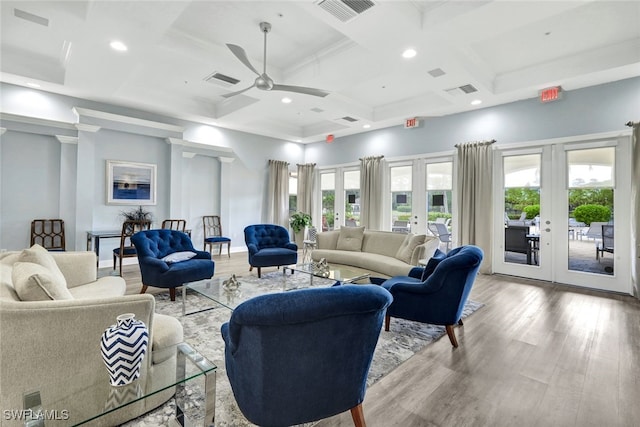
[
  {"x": 411, "y": 123},
  {"x": 551, "y": 94}
]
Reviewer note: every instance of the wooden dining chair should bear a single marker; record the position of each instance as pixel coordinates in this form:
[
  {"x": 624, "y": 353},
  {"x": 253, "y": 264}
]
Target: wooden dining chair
[
  {"x": 213, "y": 234},
  {"x": 126, "y": 248},
  {"x": 48, "y": 233},
  {"x": 175, "y": 224}
]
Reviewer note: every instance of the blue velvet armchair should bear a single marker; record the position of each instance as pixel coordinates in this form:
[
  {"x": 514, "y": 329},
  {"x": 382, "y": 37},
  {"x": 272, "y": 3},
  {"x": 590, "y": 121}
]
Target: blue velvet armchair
[
  {"x": 436, "y": 294},
  {"x": 269, "y": 245},
  {"x": 300, "y": 356},
  {"x": 167, "y": 259}
]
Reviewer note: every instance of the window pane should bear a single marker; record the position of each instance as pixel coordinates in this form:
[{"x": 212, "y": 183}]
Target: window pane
[
  {"x": 352, "y": 179},
  {"x": 591, "y": 168},
  {"x": 327, "y": 181},
  {"x": 440, "y": 176},
  {"x": 400, "y": 178},
  {"x": 293, "y": 185},
  {"x": 522, "y": 171}
]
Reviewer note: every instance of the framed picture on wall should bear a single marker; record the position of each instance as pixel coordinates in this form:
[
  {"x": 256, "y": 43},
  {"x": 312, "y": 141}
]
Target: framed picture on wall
[{"x": 131, "y": 183}]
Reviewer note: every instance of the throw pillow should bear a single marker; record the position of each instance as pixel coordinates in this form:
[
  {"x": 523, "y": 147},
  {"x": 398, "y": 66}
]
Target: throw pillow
[
  {"x": 34, "y": 282},
  {"x": 432, "y": 264},
  {"x": 39, "y": 255},
  {"x": 350, "y": 239},
  {"x": 408, "y": 245},
  {"x": 178, "y": 256}
]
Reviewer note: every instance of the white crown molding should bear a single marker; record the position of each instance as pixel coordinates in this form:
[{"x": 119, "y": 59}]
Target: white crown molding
[
  {"x": 85, "y": 112},
  {"x": 2, "y": 130},
  {"x": 87, "y": 128},
  {"x": 188, "y": 154},
  {"x": 8, "y": 117},
  {"x": 67, "y": 139},
  {"x": 191, "y": 144},
  {"x": 226, "y": 159}
]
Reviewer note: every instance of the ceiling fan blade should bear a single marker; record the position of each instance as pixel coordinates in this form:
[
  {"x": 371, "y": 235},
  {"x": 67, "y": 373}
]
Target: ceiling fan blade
[
  {"x": 229, "y": 95},
  {"x": 242, "y": 56},
  {"x": 301, "y": 89}
]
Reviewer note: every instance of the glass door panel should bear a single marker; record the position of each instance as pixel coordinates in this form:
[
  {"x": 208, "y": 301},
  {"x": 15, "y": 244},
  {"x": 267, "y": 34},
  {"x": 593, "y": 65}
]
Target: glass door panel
[
  {"x": 401, "y": 200},
  {"x": 352, "y": 198},
  {"x": 439, "y": 196},
  {"x": 328, "y": 189}
]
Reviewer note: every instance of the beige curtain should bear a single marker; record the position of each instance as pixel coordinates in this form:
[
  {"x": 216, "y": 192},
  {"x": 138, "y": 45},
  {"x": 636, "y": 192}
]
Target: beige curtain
[
  {"x": 371, "y": 191},
  {"x": 306, "y": 178},
  {"x": 475, "y": 197},
  {"x": 278, "y": 209},
  {"x": 635, "y": 208}
]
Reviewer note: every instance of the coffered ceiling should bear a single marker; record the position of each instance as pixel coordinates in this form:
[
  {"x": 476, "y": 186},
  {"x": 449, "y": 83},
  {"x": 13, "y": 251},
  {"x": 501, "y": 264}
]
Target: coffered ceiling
[{"x": 504, "y": 50}]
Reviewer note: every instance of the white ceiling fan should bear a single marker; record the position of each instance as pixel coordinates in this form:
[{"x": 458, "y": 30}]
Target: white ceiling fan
[{"x": 263, "y": 81}]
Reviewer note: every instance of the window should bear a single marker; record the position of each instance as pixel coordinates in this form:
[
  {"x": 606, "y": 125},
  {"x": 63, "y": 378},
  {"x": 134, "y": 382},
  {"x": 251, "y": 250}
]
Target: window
[
  {"x": 293, "y": 193},
  {"x": 439, "y": 184},
  {"x": 401, "y": 198},
  {"x": 352, "y": 198},
  {"x": 328, "y": 188}
]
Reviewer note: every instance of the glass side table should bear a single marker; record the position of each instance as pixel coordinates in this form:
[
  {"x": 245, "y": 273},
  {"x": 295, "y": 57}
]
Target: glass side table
[{"x": 100, "y": 398}]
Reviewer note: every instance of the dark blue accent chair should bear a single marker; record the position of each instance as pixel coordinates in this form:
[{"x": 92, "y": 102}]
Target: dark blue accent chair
[
  {"x": 437, "y": 298},
  {"x": 153, "y": 245},
  {"x": 300, "y": 356},
  {"x": 269, "y": 245}
]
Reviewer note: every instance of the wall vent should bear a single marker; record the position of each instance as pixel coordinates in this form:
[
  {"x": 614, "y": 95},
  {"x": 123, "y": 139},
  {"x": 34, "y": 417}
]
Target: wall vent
[
  {"x": 345, "y": 10},
  {"x": 221, "y": 79}
]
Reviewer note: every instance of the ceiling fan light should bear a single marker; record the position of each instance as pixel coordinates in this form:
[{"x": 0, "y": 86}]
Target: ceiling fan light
[
  {"x": 118, "y": 45},
  {"x": 367, "y": 126},
  {"x": 476, "y": 102}
]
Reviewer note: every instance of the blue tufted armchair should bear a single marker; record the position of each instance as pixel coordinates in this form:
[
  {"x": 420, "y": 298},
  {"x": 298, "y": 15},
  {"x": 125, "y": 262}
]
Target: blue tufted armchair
[
  {"x": 300, "y": 356},
  {"x": 439, "y": 294},
  {"x": 269, "y": 245},
  {"x": 168, "y": 259}
]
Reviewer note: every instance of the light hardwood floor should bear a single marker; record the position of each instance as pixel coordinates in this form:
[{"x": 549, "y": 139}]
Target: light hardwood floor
[{"x": 537, "y": 354}]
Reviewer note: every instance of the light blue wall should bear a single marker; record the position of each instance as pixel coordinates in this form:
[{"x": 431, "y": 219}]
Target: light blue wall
[
  {"x": 596, "y": 109},
  {"x": 83, "y": 166}
]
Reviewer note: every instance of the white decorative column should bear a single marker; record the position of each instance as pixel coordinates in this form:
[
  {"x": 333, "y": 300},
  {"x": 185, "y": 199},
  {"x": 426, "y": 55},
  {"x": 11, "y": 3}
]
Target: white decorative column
[
  {"x": 85, "y": 183},
  {"x": 226, "y": 214},
  {"x": 68, "y": 180}
]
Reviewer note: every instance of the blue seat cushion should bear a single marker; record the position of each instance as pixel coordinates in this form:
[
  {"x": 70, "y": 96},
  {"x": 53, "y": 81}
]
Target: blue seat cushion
[
  {"x": 127, "y": 251},
  {"x": 269, "y": 257},
  {"x": 217, "y": 239}
]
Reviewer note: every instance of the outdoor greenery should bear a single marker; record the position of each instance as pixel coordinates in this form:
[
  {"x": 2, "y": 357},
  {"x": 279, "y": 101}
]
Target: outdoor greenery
[
  {"x": 532, "y": 211},
  {"x": 590, "y": 196},
  {"x": 299, "y": 221},
  {"x": 516, "y": 199},
  {"x": 592, "y": 213},
  {"x": 432, "y": 216}
]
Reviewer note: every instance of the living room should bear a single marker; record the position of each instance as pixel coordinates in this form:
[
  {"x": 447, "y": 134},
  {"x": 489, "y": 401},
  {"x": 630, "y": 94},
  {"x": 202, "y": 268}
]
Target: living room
[{"x": 56, "y": 147}]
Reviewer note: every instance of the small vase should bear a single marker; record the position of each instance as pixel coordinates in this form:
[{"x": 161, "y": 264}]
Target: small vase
[{"x": 123, "y": 348}]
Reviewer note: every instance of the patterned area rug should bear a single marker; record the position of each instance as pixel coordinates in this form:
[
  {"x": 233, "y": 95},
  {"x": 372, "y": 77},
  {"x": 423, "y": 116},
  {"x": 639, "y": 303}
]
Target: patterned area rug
[{"x": 202, "y": 331}]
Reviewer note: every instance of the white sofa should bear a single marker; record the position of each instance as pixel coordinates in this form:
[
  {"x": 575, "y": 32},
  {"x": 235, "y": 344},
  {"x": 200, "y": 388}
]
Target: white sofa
[
  {"x": 382, "y": 253},
  {"x": 53, "y": 346}
]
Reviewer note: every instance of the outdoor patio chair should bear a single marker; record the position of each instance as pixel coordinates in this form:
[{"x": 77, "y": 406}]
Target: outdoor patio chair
[{"x": 606, "y": 245}]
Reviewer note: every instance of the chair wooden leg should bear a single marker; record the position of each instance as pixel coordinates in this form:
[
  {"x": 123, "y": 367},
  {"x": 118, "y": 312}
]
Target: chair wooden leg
[
  {"x": 251, "y": 268},
  {"x": 460, "y": 322},
  {"x": 259, "y": 272},
  {"x": 219, "y": 249},
  {"x": 229, "y": 249},
  {"x": 114, "y": 262},
  {"x": 387, "y": 321},
  {"x": 120, "y": 266},
  {"x": 172, "y": 293},
  {"x": 144, "y": 289},
  {"x": 358, "y": 416},
  {"x": 452, "y": 335}
]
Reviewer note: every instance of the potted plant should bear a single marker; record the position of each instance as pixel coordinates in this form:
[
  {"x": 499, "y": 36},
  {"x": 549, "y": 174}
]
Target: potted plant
[
  {"x": 298, "y": 222},
  {"x": 138, "y": 214}
]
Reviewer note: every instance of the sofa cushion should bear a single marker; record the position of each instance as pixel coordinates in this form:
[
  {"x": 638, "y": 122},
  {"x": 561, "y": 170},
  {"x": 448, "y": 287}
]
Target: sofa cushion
[
  {"x": 34, "y": 282},
  {"x": 103, "y": 287},
  {"x": 38, "y": 255},
  {"x": 406, "y": 249},
  {"x": 350, "y": 239}
]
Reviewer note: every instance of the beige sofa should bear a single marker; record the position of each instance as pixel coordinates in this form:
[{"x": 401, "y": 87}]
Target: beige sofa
[
  {"x": 382, "y": 253},
  {"x": 53, "y": 346}
]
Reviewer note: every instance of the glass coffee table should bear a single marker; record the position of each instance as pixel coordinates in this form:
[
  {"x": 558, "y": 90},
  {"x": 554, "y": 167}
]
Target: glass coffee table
[
  {"x": 214, "y": 290},
  {"x": 344, "y": 274},
  {"x": 99, "y": 398}
]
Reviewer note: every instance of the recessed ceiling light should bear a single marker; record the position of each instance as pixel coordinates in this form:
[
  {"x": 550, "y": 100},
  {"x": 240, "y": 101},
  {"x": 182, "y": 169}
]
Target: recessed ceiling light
[
  {"x": 366, "y": 126},
  {"x": 118, "y": 45},
  {"x": 31, "y": 84},
  {"x": 409, "y": 53},
  {"x": 476, "y": 102},
  {"x": 286, "y": 100}
]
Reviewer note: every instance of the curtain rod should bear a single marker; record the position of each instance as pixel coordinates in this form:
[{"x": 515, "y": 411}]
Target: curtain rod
[
  {"x": 371, "y": 157},
  {"x": 493, "y": 141},
  {"x": 305, "y": 164}
]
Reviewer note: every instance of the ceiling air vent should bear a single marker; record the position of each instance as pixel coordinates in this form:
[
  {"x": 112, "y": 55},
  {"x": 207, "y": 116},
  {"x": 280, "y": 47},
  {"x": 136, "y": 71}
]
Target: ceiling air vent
[
  {"x": 317, "y": 110},
  {"x": 221, "y": 79},
  {"x": 468, "y": 89},
  {"x": 31, "y": 17},
  {"x": 349, "y": 119},
  {"x": 436, "y": 72},
  {"x": 345, "y": 10}
]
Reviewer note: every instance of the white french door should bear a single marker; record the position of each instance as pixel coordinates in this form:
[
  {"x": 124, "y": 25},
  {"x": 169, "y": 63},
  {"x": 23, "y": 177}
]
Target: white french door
[{"x": 555, "y": 241}]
